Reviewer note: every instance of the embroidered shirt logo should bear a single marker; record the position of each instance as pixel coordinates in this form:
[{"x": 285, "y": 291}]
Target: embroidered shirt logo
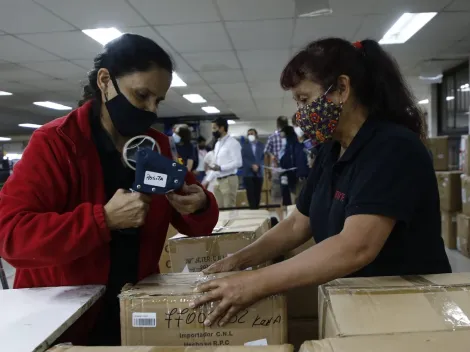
[{"x": 340, "y": 196}]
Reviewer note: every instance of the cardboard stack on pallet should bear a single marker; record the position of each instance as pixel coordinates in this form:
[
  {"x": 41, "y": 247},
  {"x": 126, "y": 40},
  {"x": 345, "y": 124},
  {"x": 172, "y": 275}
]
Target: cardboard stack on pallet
[
  {"x": 463, "y": 219},
  {"x": 449, "y": 184}
]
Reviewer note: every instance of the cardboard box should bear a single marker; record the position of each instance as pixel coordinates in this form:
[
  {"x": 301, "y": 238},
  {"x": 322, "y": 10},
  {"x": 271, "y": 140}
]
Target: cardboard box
[
  {"x": 464, "y": 157},
  {"x": 244, "y": 214},
  {"x": 393, "y": 305},
  {"x": 301, "y": 330},
  {"x": 463, "y": 234},
  {"x": 456, "y": 341},
  {"x": 449, "y": 229},
  {"x": 450, "y": 190},
  {"x": 439, "y": 147},
  {"x": 302, "y": 302},
  {"x": 465, "y": 182},
  {"x": 156, "y": 312},
  {"x": 264, "y": 198},
  {"x": 194, "y": 254},
  {"x": 242, "y": 199},
  {"x": 65, "y": 348},
  {"x": 165, "y": 262}
]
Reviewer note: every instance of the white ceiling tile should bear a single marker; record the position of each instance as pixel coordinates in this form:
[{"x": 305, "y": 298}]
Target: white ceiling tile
[
  {"x": 181, "y": 65},
  {"x": 15, "y": 87},
  {"x": 13, "y": 72},
  {"x": 459, "y": 5},
  {"x": 269, "y": 34},
  {"x": 15, "y": 50},
  {"x": 68, "y": 45},
  {"x": 24, "y": 16},
  {"x": 233, "y": 76},
  {"x": 191, "y": 79},
  {"x": 58, "y": 69},
  {"x": 176, "y": 11},
  {"x": 231, "y": 90},
  {"x": 196, "y": 37},
  {"x": 266, "y": 90},
  {"x": 242, "y": 10},
  {"x": 87, "y": 64},
  {"x": 374, "y": 27},
  {"x": 364, "y": 7},
  {"x": 86, "y": 14},
  {"x": 264, "y": 59},
  {"x": 310, "y": 29},
  {"x": 149, "y": 32},
  {"x": 202, "y": 89},
  {"x": 260, "y": 75},
  {"x": 212, "y": 61}
]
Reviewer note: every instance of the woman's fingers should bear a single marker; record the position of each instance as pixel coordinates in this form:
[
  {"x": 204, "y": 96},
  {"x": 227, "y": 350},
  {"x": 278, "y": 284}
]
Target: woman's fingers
[
  {"x": 229, "y": 315},
  {"x": 211, "y": 296},
  {"x": 217, "y": 313}
]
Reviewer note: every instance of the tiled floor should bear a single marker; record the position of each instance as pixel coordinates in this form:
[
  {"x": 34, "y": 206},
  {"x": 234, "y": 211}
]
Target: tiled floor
[{"x": 458, "y": 261}]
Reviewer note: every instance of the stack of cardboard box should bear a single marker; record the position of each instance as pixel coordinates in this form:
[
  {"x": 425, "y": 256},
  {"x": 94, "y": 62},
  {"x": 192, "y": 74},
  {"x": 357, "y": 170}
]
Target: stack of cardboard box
[
  {"x": 70, "y": 348},
  {"x": 463, "y": 219},
  {"x": 369, "y": 313},
  {"x": 449, "y": 183}
]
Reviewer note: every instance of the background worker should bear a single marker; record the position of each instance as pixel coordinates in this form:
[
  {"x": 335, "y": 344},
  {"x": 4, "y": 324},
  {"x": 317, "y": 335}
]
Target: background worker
[
  {"x": 228, "y": 159},
  {"x": 253, "y": 159}
]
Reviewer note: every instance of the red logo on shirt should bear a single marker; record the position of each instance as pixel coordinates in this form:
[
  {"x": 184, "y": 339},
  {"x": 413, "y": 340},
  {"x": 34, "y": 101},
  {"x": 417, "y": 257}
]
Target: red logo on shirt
[{"x": 340, "y": 196}]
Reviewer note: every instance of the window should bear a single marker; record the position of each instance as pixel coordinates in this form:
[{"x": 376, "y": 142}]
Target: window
[{"x": 454, "y": 100}]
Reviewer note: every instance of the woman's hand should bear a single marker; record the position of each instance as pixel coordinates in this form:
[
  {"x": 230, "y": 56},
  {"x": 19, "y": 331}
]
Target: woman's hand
[
  {"x": 234, "y": 293},
  {"x": 192, "y": 200},
  {"x": 225, "y": 265}
]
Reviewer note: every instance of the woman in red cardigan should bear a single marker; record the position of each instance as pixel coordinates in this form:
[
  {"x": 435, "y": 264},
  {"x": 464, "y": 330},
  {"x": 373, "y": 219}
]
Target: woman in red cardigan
[{"x": 66, "y": 215}]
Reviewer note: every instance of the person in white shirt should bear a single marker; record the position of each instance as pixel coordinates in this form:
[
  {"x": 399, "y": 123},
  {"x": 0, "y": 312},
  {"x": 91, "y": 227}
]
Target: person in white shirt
[
  {"x": 228, "y": 159},
  {"x": 210, "y": 177}
]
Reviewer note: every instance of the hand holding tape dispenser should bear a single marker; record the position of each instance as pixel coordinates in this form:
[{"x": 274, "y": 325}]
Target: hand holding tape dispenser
[{"x": 154, "y": 172}]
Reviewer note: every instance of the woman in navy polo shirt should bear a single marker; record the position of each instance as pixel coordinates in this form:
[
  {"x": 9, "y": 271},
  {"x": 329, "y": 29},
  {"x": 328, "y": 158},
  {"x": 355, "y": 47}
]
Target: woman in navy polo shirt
[{"x": 371, "y": 201}]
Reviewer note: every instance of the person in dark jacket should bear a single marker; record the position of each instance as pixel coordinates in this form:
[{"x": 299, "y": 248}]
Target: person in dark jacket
[
  {"x": 253, "y": 159},
  {"x": 186, "y": 150},
  {"x": 302, "y": 155},
  {"x": 288, "y": 163}
]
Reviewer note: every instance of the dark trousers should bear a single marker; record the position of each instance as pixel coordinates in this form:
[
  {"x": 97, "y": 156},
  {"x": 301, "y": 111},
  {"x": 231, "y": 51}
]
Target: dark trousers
[{"x": 253, "y": 187}]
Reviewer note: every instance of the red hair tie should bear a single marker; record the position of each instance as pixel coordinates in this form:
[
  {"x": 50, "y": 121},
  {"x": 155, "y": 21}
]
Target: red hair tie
[{"x": 357, "y": 45}]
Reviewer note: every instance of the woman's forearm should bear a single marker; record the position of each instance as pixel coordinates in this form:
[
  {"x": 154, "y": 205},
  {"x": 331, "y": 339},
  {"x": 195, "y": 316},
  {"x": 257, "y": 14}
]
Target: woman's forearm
[
  {"x": 285, "y": 236},
  {"x": 190, "y": 164},
  {"x": 331, "y": 259}
]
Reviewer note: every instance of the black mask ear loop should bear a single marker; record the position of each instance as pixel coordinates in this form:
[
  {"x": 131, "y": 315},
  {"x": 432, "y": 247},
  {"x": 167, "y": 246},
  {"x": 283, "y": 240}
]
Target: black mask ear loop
[{"x": 116, "y": 87}]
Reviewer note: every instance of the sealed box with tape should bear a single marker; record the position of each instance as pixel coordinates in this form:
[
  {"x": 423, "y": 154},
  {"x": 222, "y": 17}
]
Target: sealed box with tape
[
  {"x": 244, "y": 214},
  {"x": 393, "y": 305},
  {"x": 194, "y": 254},
  {"x": 70, "y": 348},
  {"x": 455, "y": 341},
  {"x": 155, "y": 312}
]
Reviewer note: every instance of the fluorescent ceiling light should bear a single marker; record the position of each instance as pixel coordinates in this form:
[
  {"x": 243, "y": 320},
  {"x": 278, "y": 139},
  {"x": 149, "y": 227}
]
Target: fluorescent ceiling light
[
  {"x": 2, "y": 93},
  {"x": 103, "y": 35},
  {"x": 231, "y": 122},
  {"x": 423, "y": 102},
  {"x": 406, "y": 27},
  {"x": 431, "y": 78},
  {"x": 194, "y": 98},
  {"x": 4, "y": 139},
  {"x": 321, "y": 12},
  {"x": 177, "y": 81},
  {"x": 210, "y": 109},
  {"x": 52, "y": 105},
  {"x": 29, "y": 125},
  {"x": 450, "y": 98}
]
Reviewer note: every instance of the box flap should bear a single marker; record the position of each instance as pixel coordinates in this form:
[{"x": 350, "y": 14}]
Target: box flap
[{"x": 457, "y": 341}]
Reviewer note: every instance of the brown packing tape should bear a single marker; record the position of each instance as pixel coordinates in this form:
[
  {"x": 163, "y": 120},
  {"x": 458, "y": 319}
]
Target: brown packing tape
[{"x": 453, "y": 316}]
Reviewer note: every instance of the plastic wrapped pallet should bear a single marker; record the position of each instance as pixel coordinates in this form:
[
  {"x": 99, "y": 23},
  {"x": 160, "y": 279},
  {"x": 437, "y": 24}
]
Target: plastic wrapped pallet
[
  {"x": 392, "y": 305},
  {"x": 155, "y": 312}
]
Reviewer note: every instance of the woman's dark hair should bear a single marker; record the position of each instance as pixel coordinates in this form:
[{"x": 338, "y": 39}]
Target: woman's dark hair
[
  {"x": 201, "y": 139},
  {"x": 185, "y": 133},
  {"x": 288, "y": 131},
  {"x": 374, "y": 76},
  {"x": 127, "y": 54}
]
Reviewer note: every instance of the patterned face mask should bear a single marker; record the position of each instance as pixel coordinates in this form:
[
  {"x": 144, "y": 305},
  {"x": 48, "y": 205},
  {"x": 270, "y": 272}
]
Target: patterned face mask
[{"x": 319, "y": 119}]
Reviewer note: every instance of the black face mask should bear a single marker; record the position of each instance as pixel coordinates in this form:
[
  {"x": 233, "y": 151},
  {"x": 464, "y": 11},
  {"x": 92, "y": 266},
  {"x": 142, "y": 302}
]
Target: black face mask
[
  {"x": 216, "y": 134},
  {"x": 127, "y": 119}
]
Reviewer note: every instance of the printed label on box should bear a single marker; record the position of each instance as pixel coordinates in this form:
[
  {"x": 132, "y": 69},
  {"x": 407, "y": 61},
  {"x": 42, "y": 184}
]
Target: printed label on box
[{"x": 144, "y": 320}]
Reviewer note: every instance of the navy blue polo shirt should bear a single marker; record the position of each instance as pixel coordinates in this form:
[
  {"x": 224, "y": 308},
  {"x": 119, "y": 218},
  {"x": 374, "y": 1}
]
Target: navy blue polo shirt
[{"x": 385, "y": 171}]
